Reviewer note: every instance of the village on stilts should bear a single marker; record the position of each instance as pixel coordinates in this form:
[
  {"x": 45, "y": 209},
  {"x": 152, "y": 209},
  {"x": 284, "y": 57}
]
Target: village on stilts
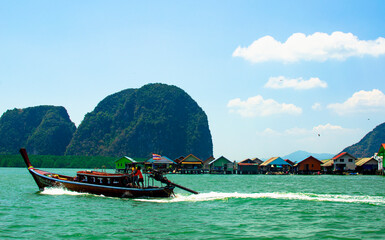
[{"x": 342, "y": 163}]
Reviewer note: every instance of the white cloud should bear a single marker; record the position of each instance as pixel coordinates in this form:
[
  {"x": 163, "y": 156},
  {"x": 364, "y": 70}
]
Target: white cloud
[
  {"x": 296, "y": 83},
  {"x": 316, "y": 47},
  {"x": 327, "y": 127},
  {"x": 257, "y": 106},
  {"x": 316, "y": 106},
  {"x": 360, "y": 102}
]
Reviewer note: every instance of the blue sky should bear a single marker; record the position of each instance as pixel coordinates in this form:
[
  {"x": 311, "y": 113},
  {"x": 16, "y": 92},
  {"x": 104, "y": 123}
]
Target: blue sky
[{"x": 272, "y": 76}]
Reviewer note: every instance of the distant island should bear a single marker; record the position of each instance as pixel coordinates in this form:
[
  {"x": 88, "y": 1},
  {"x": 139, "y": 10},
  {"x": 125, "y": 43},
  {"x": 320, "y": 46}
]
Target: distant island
[
  {"x": 369, "y": 144},
  {"x": 366, "y": 147},
  {"x": 44, "y": 130},
  {"x": 301, "y": 155},
  {"x": 156, "y": 118}
]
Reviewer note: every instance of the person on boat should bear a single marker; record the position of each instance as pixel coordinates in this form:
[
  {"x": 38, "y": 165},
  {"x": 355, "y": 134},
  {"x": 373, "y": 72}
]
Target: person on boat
[
  {"x": 133, "y": 171},
  {"x": 139, "y": 177},
  {"x": 127, "y": 181}
]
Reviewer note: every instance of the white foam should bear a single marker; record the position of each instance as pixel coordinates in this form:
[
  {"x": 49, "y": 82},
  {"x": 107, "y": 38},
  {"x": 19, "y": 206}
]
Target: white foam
[
  {"x": 377, "y": 200},
  {"x": 212, "y": 196},
  {"x": 60, "y": 191}
]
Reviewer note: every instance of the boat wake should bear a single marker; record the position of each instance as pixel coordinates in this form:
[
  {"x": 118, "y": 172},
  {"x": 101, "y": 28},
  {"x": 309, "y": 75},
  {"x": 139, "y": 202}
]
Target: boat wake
[
  {"x": 213, "y": 196},
  {"x": 375, "y": 200},
  {"x": 60, "y": 191}
]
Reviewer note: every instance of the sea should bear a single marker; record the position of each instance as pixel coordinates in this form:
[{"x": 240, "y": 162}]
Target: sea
[{"x": 227, "y": 207}]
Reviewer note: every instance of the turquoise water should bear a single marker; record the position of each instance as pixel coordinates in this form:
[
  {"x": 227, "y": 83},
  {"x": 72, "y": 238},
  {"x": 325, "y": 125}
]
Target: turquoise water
[{"x": 229, "y": 207}]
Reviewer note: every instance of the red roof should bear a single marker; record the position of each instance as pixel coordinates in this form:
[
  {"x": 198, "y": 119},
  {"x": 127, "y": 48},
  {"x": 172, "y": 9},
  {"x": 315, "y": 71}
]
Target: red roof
[
  {"x": 339, "y": 155},
  {"x": 288, "y": 161},
  {"x": 311, "y": 157}
]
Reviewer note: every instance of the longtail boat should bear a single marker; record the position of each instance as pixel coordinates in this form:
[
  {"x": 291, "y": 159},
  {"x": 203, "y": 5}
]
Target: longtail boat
[{"x": 102, "y": 183}]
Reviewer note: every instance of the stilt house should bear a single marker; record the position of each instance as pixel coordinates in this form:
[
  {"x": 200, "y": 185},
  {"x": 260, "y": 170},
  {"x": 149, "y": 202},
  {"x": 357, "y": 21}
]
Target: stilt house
[
  {"x": 191, "y": 164},
  {"x": 381, "y": 157},
  {"x": 309, "y": 165},
  {"x": 221, "y": 165},
  {"x": 248, "y": 166},
  {"x": 344, "y": 162},
  {"x": 327, "y": 166},
  {"x": 122, "y": 163},
  {"x": 367, "y": 165},
  {"x": 164, "y": 163},
  {"x": 275, "y": 165},
  {"x": 206, "y": 164}
]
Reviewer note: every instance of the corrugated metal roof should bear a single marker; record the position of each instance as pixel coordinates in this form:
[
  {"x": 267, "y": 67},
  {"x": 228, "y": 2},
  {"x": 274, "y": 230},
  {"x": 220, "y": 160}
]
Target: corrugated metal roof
[
  {"x": 325, "y": 160},
  {"x": 218, "y": 159},
  {"x": 362, "y": 161},
  {"x": 275, "y": 161},
  {"x": 193, "y": 158},
  {"x": 342, "y": 154},
  {"x": 328, "y": 163},
  {"x": 248, "y": 160},
  {"x": 257, "y": 160},
  {"x": 126, "y": 158},
  {"x": 311, "y": 157},
  {"x": 208, "y": 160},
  {"x": 265, "y": 163}
]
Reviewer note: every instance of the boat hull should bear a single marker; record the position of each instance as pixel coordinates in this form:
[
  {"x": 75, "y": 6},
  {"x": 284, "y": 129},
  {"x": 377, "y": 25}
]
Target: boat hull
[{"x": 44, "y": 179}]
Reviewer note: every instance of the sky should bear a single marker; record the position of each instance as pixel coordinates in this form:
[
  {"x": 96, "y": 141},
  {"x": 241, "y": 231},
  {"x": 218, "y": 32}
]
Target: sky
[{"x": 273, "y": 77}]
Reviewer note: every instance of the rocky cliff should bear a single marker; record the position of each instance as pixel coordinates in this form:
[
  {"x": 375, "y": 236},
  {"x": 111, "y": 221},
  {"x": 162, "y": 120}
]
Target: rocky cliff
[
  {"x": 156, "y": 118},
  {"x": 44, "y": 130}
]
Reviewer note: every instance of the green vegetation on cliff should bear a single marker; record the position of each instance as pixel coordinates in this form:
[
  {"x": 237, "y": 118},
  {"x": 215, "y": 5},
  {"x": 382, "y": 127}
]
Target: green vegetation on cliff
[
  {"x": 370, "y": 144},
  {"x": 42, "y": 130},
  {"x": 156, "y": 118}
]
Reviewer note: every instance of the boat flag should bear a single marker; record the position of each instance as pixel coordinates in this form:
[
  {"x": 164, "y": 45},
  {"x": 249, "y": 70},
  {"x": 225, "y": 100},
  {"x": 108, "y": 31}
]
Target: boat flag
[{"x": 156, "y": 156}]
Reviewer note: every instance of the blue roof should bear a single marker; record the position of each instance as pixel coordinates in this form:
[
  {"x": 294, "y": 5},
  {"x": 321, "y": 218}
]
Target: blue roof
[
  {"x": 275, "y": 161},
  {"x": 279, "y": 161}
]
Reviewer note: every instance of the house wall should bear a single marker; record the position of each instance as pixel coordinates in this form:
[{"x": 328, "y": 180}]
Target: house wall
[
  {"x": 381, "y": 153},
  {"x": 349, "y": 162},
  {"x": 248, "y": 169},
  {"x": 371, "y": 165},
  {"x": 313, "y": 165},
  {"x": 191, "y": 162},
  {"x": 121, "y": 164},
  {"x": 206, "y": 165},
  {"x": 191, "y": 159},
  {"x": 220, "y": 162},
  {"x": 192, "y": 166}
]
